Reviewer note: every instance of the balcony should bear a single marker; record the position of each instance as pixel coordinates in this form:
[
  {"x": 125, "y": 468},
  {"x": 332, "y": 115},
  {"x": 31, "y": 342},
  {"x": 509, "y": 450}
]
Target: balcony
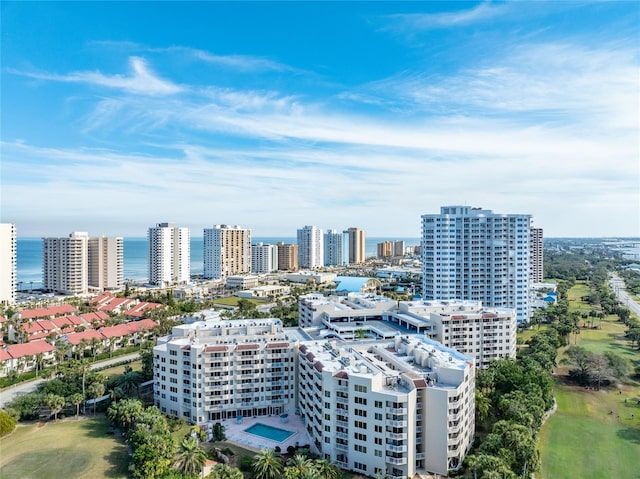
[
  {"x": 401, "y": 411},
  {"x": 399, "y": 436},
  {"x": 398, "y": 461},
  {"x": 419, "y": 455},
  {"x": 342, "y": 435},
  {"x": 342, "y": 447},
  {"x": 340, "y": 400},
  {"x": 397, "y": 423},
  {"x": 343, "y": 423},
  {"x": 392, "y": 448}
]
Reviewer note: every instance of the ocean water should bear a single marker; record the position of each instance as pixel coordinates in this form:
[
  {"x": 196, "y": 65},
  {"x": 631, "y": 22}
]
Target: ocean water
[{"x": 29, "y": 256}]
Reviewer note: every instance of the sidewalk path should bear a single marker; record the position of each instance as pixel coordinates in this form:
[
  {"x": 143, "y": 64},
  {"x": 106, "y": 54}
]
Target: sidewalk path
[{"x": 8, "y": 394}]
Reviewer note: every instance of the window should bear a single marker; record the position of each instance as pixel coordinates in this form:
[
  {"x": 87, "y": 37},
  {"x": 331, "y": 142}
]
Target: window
[
  {"x": 360, "y": 400},
  {"x": 360, "y": 389},
  {"x": 378, "y": 404},
  {"x": 359, "y": 448}
]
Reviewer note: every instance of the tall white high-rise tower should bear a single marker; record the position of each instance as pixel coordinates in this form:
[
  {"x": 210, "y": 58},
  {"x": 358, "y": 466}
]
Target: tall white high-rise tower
[
  {"x": 475, "y": 254},
  {"x": 169, "y": 255},
  {"x": 7, "y": 263},
  {"x": 310, "y": 247}
]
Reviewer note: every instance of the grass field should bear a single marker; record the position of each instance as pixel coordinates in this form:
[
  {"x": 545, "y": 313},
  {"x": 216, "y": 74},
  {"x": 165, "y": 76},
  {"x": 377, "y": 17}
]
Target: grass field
[
  {"x": 114, "y": 371},
  {"x": 233, "y": 301},
  {"x": 582, "y": 439},
  {"x": 70, "y": 449}
]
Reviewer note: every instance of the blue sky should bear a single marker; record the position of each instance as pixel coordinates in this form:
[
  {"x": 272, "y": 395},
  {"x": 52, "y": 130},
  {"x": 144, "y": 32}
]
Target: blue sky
[{"x": 117, "y": 115}]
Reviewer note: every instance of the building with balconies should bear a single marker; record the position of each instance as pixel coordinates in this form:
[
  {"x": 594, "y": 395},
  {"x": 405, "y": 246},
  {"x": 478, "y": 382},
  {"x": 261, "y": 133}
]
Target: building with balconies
[
  {"x": 216, "y": 370},
  {"x": 391, "y": 408},
  {"x": 478, "y": 255}
]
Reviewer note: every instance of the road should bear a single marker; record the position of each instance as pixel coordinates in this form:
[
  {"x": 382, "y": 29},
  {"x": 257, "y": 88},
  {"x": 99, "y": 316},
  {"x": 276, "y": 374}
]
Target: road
[
  {"x": 618, "y": 287},
  {"x": 23, "y": 388}
]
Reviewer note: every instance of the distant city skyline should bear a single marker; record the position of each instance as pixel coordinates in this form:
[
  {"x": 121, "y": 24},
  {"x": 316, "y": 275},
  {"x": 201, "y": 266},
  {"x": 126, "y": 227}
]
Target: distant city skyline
[{"x": 119, "y": 115}]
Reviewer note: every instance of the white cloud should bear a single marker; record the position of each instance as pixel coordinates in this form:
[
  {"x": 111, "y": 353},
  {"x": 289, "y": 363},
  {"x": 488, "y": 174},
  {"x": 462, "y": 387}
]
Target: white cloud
[
  {"x": 428, "y": 21},
  {"x": 141, "y": 81}
]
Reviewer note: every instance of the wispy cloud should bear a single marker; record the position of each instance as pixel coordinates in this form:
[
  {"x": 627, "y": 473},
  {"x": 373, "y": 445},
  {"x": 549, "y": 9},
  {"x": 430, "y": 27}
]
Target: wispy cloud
[
  {"x": 245, "y": 63},
  {"x": 141, "y": 81},
  {"x": 412, "y": 22}
]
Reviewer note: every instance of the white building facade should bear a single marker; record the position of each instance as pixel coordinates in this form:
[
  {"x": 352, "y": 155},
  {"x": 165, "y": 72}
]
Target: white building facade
[
  {"x": 389, "y": 409},
  {"x": 537, "y": 255},
  {"x": 310, "y": 247},
  {"x": 227, "y": 251},
  {"x": 475, "y": 254},
  {"x": 485, "y": 334},
  {"x": 65, "y": 264},
  {"x": 336, "y": 248},
  {"x": 264, "y": 258},
  {"x": 169, "y": 255},
  {"x": 106, "y": 263},
  {"x": 216, "y": 370},
  {"x": 8, "y": 255}
]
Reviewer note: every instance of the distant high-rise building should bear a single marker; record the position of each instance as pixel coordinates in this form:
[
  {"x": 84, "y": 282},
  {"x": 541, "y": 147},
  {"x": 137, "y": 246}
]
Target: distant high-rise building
[
  {"x": 385, "y": 249},
  {"x": 106, "y": 260},
  {"x": 310, "y": 247},
  {"x": 537, "y": 256},
  {"x": 475, "y": 254},
  {"x": 336, "y": 248},
  {"x": 287, "y": 256},
  {"x": 227, "y": 251},
  {"x": 398, "y": 248},
  {"x": 7, "y": 263},
  {"x": 356, "y": 245},
  {"x": 65, "y": 264},
  {"x": 169, "y": 255},
  {"x": 264, "y": 258}
]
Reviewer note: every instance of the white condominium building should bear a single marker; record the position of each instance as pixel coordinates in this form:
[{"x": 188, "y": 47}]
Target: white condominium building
[
  {"x": 336, "y": 248},
  {"x": 264, "y": 258},
  {"x": 216, "y": 370},
  {"x": 169, "y": 255},
  {"x": 356, "y": 245},
  {"x": 475, "y": 254},
  {"x": 537, "y": 255},
  {"x": 485, "y": 334},
  {"x": 310, "y": 247},
  {"x": 390, "y": 409},
  {"x": 65, "y": 264},
  {"x": 315, "y": 309},
  {"x": 227, "y": 251},
  {"x": 106, "y": 261},
  {"x": 8, "y": 254}
]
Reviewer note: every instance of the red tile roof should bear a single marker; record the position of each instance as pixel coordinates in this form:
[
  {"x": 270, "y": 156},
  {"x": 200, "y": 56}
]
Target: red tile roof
[
  {"x": 277, "y": 345},
  {"x": 241, "y": 347},
  {"x": 47, "y": 312},
  {"x": 4, "y": 355},
  {"x": 121, "y": 330},
  {"x": 62, "y": 322},
  {"x": 88, "y": 335},
  {"x": 29, "y": 349}
]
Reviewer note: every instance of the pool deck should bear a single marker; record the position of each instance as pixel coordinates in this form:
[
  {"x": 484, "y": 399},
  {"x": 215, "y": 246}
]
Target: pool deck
[{"x": 235, "y": 432}]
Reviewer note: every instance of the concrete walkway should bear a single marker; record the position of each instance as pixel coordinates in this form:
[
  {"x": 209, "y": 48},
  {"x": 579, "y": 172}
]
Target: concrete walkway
[{"x": 8, "y": 394}]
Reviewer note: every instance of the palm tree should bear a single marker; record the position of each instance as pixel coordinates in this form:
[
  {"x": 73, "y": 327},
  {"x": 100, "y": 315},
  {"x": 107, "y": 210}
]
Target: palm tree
[
  {"x": 76, "y": 399},
  {"x": 483, "y": 406},
  {"x": 222, "y": 471},
  {"x": 267, "y": 465},
  {"x": 95, "y": 390},
  {"x": 95, "y": 345},
  {"x": 38, "y": 361},
  {"x": 129, "y": 382},
  {"x": 62, "y": 349},
  {"x": 190, "y": 457},
  {"x": 326, "y": 470},
  {"x": 55, "y": 403},
  {"x": 298, "y": 466}
]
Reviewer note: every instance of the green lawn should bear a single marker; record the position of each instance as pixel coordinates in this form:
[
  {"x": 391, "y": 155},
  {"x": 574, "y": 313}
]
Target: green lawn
[
  {"x": 582, "y": 439},
  {"x": 70, "y": 449},
  {"x": 114, "y": 371},
  {"x": 233, "y": 301}
]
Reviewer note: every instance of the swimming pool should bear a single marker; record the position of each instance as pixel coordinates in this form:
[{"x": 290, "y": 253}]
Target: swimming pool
[{"x": 268, "y": 432}]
